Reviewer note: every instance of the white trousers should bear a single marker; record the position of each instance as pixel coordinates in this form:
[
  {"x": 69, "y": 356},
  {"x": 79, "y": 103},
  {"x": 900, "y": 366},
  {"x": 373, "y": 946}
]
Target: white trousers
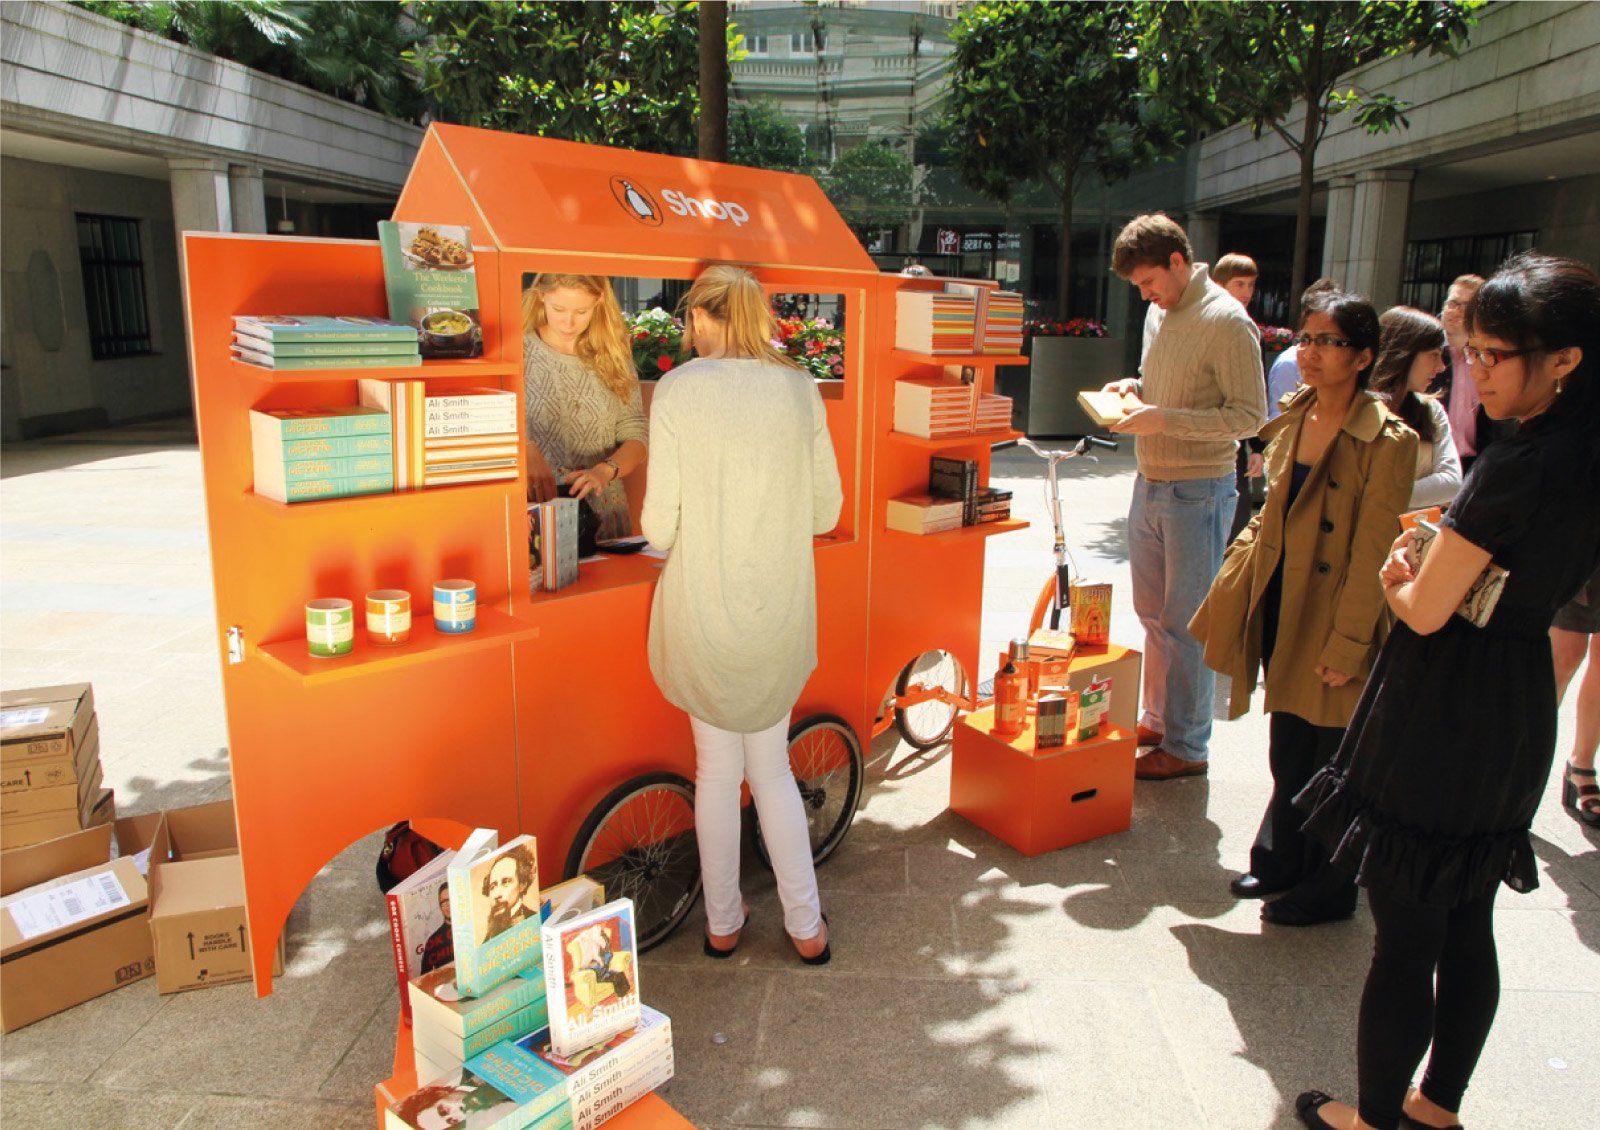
[{"x": 724, "y": 760}]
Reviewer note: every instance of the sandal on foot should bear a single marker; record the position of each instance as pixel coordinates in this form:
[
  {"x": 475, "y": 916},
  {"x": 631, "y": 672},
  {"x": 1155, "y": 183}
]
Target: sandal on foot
[
  {"x": 719, "y": 952},
  {"x": 1584, "y": 800},
  {"x": 823, "y": 956}
]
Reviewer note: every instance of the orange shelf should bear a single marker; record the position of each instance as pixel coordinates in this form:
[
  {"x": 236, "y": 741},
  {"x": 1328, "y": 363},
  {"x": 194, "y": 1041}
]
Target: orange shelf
[
  {"x": 352, "y": 504},
  {"x": 971, "y": 438},
  {"x": 613, "y": 572},
  {"x": 466, "y": 367},
  {"x": 988, "y": 529},
  {"x": 958, "y": 358},
  {"x": 495, "y": 629}
]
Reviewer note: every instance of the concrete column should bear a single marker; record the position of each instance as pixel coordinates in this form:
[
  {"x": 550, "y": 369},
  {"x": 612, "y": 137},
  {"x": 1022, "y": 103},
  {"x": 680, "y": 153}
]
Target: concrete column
[
  {"x": 1381, "y": 206},
  {"x": 201, "y": 199},
  {"x": 247, "y": 196},
  {"x": 1336, "y": 233},
  {"x": 1205, "y": 235}
]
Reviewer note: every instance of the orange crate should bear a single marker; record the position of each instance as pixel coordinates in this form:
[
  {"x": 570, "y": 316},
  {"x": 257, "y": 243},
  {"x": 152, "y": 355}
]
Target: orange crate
[{"x": 1039, "y": 801}]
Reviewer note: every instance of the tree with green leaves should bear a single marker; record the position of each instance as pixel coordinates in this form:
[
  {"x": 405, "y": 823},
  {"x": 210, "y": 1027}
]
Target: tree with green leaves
[
  {"x": 1052, "y": 93},
  {"x": 762, "y": 136},
  {"x": 607, "y": 73},
  {"x": 1261, "y": 61},
  {"x": 872, "y": 185}
]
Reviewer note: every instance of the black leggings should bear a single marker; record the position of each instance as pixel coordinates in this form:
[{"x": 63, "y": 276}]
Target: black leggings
[{"x": 1403, "y": 1010}]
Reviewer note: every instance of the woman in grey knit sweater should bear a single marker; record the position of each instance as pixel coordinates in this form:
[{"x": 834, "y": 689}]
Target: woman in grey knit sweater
[{"x": 742, "y": 476}]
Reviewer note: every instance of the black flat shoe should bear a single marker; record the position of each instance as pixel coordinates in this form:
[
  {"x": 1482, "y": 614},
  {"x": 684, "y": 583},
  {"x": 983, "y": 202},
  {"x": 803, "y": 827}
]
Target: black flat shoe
[
  {"x": 1308, "y": 1105},
  {"x": 717, "y": 951},
  {"x": 1251, "y": 886},
  {"x": 819, "y": 958},
  {"x": 1287, "y": 912}
]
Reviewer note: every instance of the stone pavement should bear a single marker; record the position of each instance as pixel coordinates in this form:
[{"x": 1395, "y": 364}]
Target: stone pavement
[{"x": 1114, "y": 984}]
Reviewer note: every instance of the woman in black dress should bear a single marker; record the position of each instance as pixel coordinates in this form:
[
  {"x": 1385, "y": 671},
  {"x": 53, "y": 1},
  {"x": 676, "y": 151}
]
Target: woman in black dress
[{"x": 1431, "y": 796}]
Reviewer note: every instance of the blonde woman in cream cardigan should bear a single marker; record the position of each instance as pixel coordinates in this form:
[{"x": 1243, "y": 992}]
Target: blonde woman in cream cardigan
[{"x": 742, "y": 477}]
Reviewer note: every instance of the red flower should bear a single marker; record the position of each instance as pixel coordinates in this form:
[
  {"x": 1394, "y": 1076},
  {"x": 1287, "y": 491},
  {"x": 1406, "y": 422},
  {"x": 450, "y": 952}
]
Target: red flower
[{"x": 664, "y": 362}]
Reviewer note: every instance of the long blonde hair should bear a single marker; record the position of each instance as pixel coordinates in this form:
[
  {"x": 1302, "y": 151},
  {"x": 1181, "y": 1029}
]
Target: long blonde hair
[
  {"x": 604, "y": 344},
  {"x": 733, "y": 297}
]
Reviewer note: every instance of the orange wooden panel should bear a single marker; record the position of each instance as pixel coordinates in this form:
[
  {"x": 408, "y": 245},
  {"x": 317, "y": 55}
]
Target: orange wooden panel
[
  {"x": 537, "y": 193},
  {"x": 1039, "y": 801}
]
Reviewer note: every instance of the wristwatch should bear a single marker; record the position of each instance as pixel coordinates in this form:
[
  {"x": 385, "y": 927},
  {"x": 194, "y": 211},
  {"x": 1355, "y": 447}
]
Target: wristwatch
[{"x": 616, "y": 472}]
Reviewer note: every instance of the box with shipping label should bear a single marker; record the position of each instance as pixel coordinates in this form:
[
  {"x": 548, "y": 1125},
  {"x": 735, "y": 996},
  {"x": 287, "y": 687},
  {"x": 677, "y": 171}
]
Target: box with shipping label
[
  {"x": 45, "y": 725},
  {"x": 198, "y": 925},
  {"x": 23, "y": 773},
  {"x": 23, "y": 831},
  {"x": 73, "y": 925},
  {"x": 1040, "y": 800}
]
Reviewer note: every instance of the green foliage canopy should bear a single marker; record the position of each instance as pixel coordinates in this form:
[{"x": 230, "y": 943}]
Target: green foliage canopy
[
  {"x": 871, "y": 185},
  {"x": 759, "y": 135}
]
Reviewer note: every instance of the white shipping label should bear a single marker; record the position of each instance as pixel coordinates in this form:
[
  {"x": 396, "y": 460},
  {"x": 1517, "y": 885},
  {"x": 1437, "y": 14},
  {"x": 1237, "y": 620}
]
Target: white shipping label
[
  {"x": 67, "y": 905},
  {"x": 23, "y": 716}
]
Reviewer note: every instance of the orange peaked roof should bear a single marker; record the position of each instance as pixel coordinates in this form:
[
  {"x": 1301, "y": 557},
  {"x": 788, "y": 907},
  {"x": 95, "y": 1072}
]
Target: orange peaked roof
[{"x": 536, "y": 194}]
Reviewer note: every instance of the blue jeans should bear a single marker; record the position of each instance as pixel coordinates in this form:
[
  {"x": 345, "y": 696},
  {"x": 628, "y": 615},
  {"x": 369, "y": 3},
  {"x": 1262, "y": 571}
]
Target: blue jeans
[{"x": 1176, "y": 535}]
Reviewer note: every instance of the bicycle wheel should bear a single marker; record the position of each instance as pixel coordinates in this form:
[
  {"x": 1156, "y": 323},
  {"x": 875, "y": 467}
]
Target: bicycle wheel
[
  {"x": 828, "y": 768},
  {"x": 928, "y": 724},
  {"x": 639, "y": 843}
]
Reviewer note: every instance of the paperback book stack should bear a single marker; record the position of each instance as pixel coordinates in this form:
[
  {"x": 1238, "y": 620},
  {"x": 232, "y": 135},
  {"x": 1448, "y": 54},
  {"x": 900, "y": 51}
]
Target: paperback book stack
[
  {"x": 447, "y": 439},
  {"x": 993, "y": 413},
  {"x": 955, "y": 479},
  {"x": 1002, "y": 323},
  {"x": 448, "y": 1028},
  {"x": 937, "y": 322},
  {"x": 304, "y": 454},
  {"x": 990, "y": 504},
  {"x": 303, "y": 341},
  {"x": 923, "y": 514},
  {"x": 49, "y": 765},
  {"x": 933, "y": 409}
]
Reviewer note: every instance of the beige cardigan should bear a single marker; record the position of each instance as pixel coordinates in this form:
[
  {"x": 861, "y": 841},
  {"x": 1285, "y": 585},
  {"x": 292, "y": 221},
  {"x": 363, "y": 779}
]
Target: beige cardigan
[
  {"x": 1333, "y": 543},
  {"x": 742, "y": 475}
]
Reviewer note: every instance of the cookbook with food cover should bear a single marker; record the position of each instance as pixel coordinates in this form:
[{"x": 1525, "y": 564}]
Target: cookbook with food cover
[{"x": 432, "y": 285}]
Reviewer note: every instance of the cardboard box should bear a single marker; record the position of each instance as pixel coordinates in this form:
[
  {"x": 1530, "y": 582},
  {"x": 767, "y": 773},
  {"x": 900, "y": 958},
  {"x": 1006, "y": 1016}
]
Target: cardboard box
[
  {"x": 197, "y": 911},
  {"x": 56, "y": 791},
  {"x": 44, "y": 725},
  {"x": 33, "y": 773},
  {"x": 43, "y": 970},
  {"x": 1041, "y": 800},
  {"x": 24, "y": 831}
]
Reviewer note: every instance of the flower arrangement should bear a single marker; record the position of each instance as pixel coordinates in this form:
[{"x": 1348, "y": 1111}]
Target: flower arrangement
[
  {"x": 814, "y": 344},
  {"x": 1072, "y": 327},
  {"x": 657, "y": 342},
  {"x": 1275, "y": 339}
]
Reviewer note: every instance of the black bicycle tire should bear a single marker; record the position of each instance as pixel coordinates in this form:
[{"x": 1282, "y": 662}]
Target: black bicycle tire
[
  {"x": 918, "y": 741},
  {"x": 828, "y": 844}
]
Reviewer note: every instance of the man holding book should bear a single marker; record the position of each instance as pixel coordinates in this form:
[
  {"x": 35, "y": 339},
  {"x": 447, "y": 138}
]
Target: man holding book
[{"x": 1202, "y": 391}]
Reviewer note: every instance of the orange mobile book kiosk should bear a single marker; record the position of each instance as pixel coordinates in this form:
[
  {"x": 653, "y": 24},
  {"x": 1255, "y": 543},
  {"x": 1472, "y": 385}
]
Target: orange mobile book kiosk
[{"x": 527, "y": 722}]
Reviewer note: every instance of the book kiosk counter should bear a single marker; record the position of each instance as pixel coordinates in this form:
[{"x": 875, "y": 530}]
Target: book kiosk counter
[{"x": 530, "y": 722}]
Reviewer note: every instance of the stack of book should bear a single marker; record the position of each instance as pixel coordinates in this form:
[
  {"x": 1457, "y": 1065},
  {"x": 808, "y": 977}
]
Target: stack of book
[
  {"x": 302, "y": 454},
  {"x": 446, "y": 439},
  {"x": 990, "y": 504},
  {"x": 928, "y": 321},
  {"x": 49, "y": 765},
  {"x": 932, "y": 408},
  {"x": 1002, "y": 322},
  {"x": 955, "y": 479},
  {"x": 993, "y": 414},
  {"x": 924, "y": 514},
  {"x": 305, "y": 341}
]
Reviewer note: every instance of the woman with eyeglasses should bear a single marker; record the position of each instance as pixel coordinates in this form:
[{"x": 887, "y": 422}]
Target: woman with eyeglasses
[
  {"x": 1410, "y": 356},
  {"x": 1431, "y": 796},
  {"x": 1298, "y": 591}
]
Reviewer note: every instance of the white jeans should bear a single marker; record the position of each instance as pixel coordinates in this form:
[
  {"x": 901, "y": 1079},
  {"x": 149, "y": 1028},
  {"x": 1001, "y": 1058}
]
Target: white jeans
[{"x": 723, "y": 760}]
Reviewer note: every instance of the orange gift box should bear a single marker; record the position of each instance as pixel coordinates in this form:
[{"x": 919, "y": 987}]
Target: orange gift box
[{"x": 1041, "y": 800}]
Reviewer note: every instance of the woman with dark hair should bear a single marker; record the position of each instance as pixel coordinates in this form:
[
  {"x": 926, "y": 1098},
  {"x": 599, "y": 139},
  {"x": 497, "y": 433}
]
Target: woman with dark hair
[
  {"x": 1298, "y": 591},
  {"x": 1410, "y": 356},
  {"x": 1431, "y": 796}
]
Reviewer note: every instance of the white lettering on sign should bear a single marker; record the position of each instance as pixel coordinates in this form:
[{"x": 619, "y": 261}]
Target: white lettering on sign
[
  {"x": 682, "y": 204},
  {"x": 67, "y": 904}
]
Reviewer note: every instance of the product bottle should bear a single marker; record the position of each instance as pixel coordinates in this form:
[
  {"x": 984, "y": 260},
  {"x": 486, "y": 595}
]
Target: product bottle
[{"x": 1011, "y": 694}]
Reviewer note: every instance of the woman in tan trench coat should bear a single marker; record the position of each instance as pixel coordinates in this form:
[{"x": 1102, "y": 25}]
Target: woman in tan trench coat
[{"x": 1298, "y": 592}]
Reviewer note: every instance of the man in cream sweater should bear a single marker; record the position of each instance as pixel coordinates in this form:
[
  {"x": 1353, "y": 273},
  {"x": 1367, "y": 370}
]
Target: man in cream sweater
[{"x": 1202, "y": 390}]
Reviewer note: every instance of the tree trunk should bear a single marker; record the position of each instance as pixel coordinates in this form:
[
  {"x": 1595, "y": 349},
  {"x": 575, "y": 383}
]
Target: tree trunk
[
  {"x": 1302, "y": 215},
  {"x": 713, "y": 80},
  {"x": 1064, "y": 267}
]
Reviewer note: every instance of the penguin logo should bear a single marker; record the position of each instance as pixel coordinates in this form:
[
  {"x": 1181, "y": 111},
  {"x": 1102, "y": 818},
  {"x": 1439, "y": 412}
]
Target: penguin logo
[{"x": 636, "y": 201}]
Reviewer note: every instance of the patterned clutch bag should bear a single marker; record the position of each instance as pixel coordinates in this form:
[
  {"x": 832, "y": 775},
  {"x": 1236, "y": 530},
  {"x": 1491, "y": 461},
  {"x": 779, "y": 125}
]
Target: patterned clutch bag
[{"x": 1485, "y": 592}]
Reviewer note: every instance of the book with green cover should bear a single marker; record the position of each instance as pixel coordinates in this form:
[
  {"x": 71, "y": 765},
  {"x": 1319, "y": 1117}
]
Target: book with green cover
[
  {"x": 302, "y": 363},
  {"x": 432, "y": 284},
  {"x": 307, "y": 490},
  {"x": 281, "y": 349},
  {"x": 494, "y": 911},
  {"x": 277, "y": 328},
  {"x": 280, "y": 425},
  {"x": 336, "y": 447}
]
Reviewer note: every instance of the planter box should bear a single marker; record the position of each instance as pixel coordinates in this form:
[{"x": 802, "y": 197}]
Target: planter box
[{"x": 1061, "y": 368}]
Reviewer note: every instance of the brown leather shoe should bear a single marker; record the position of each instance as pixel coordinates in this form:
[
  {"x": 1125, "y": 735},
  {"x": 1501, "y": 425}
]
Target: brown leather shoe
[
  {"x": 1159, "y": 765},
  {"x": 1148, "y": 736}
]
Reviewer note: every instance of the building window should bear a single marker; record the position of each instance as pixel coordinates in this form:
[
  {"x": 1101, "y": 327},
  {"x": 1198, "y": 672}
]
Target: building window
[
  {"x": 755, "y": 44},
  {"x": 113, "y": 286},
  {"x": 1431, "y": 264},
  {"x": 804, "y": 42}
]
